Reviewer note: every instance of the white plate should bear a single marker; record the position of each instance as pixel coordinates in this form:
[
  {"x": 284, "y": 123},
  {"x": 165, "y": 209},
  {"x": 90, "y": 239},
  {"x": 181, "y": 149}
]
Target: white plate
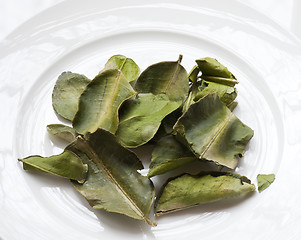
[{"x": 80, "y": 37}]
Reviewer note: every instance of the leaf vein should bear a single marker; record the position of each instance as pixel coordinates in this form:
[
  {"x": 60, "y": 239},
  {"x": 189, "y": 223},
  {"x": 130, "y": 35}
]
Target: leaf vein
[
  {"x": 218, "y": 132},
  {"x": 100, "y": 164}
]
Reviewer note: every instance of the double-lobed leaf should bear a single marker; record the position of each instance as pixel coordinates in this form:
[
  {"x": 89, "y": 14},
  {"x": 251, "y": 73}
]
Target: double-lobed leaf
[
  {"x": 66, "y": 165},
  {"x": 69, "y": 86},
  {"x": 99, "y": 103},
  {"x": 213, "y": 132},
  {"x": 189, "y": 190},
  {"x": 161, "y": 88},
  {"x": 113, "y": 182}
]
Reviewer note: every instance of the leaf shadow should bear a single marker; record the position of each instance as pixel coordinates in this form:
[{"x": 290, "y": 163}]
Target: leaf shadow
[
  {"x": 120, "y": 224},
  {"x": 117, "y": 223}
]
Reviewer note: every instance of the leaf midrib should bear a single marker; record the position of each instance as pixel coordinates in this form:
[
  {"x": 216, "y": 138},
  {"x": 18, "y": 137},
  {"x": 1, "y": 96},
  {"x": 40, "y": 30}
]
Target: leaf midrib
[
  {"x": 122, "y": 65},
  {"x": 222, "y": 126},
  {"x": 100, "y": 165},
  {"x": 172, "y": 77},
  {"x": 107, "y": 104}
]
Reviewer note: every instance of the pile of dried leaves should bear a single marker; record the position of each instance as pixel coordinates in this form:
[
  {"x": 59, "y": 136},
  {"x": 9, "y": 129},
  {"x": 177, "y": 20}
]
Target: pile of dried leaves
[{"x": 187, "y": 117}]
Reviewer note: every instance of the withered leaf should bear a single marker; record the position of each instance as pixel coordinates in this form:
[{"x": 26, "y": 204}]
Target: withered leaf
[
  {"x": 66, "y": 165},
  {"x": 99, "y": 103},
  {"x": 69, "y": 86},
  {"x": 264, "y": 181},
  {"x": 188, "y": 190},
  {"x": 213, "y": 132},
  {"x": 113, "y": 182}
]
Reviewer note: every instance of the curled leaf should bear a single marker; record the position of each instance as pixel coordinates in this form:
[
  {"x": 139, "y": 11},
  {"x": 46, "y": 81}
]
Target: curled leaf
[
  {"x": 170, "y": 120},
  {"x": 113, "y": 183},
  {"x": 213, "y": 132},
  {"x": 215, "y": 78},
  {"x": 66, "y": 165},
  {"x": 213, "y": 71},
  {"x": 225, "y": 93},
  {"x": 188, "y": 190},
  {"x": 69, "y": 86},
  {"x": 232, "y": 106},
  {"x": 99, "y": 103},
  {"x": 193, "y": 75},
  {"x": 62, "y": 131}
]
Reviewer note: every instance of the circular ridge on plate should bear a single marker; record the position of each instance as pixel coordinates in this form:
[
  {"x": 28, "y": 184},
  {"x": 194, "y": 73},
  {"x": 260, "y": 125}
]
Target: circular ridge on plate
[
  {"x": 249, "y": 44},
  {"x": 37, "y": 108}
]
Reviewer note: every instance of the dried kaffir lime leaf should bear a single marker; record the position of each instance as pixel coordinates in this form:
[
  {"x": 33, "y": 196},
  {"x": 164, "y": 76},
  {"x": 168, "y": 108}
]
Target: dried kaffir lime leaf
[
  {"x": 213, "y": 132},
  {"x": 67, "y": 90},
  {"x": 126, "y": 65},
  {"x": 189, "y": 190},
  {"x": 99, "y": 103},
  {"x": 264, "y": 181},
  {"x": 66, "y": 165},
  {"x": 113, "y": 182}
]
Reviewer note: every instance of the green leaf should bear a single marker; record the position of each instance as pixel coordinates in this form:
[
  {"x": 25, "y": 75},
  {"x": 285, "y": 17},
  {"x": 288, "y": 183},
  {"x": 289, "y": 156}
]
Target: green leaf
[
  {"x": 62, "y": 131},
  {"x": 264, "y": 181},
  {"x": 141, "y": 118},
  {"x": 213, "y": 132},
  {"x": 66, "y": 165},
  {"x": 69, "y": 86},
  {"x": 215, "y": 78},
  {"x": 169, "y": 154},
  {"x": 188, "y": 190},
  {"x": 193, "y": 75},
  {"x": 194, "y": 89},
  {"x": 126, "y": 65},
  {"x": 232, "y": 106},
  {"x": 162, "y": 88},
  {"x": 99, "y": 103},
  {"x": 213, "y": 71},
  {"x": 113, "y": 182},
  {"x": 225, "y": 93},
  {"x": 168, "y": 78},
  {"x": 170, "y": 120}
]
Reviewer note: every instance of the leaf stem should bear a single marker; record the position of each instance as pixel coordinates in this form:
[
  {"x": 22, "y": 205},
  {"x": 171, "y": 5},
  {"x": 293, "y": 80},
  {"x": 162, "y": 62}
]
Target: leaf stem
[{"x": 180, "y": 58}]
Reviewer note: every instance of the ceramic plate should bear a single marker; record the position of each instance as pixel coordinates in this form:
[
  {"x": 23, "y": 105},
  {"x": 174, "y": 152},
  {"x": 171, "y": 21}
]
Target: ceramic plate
[{"x": 80, "y": 37}]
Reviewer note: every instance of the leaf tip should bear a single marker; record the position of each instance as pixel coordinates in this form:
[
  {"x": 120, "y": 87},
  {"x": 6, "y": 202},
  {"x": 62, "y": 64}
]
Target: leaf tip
[{"x": 151, "y": 223}]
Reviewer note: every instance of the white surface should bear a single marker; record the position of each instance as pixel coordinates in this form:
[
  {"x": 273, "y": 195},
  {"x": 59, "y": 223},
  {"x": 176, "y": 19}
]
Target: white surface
[
  {"x": 264, "y": 57},
  {"x": 285, "y": 12},
  {"x": 14, "y": 12}
]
